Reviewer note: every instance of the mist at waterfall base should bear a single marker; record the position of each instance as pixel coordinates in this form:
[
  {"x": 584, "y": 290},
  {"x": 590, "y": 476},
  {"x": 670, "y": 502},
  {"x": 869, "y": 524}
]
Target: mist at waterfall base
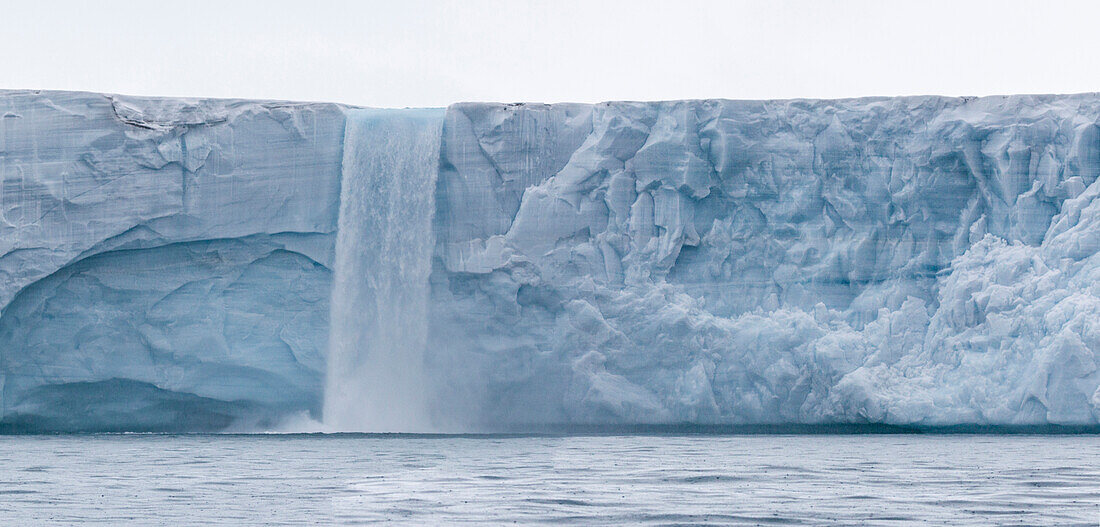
[{"x": 379, "y": 307}]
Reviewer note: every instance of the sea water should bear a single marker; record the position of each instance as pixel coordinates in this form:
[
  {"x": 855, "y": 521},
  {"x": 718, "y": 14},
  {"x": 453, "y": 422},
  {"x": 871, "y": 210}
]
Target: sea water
[{"x": 550, "y": 480}]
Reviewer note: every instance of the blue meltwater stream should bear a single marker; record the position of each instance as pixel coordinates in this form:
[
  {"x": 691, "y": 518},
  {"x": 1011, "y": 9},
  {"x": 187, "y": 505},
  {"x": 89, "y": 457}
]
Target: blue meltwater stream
[{"x": 379, "y": 314}]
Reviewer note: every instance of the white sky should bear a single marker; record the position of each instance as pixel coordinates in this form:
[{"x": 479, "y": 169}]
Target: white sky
[{"x": 431, "y": 53}]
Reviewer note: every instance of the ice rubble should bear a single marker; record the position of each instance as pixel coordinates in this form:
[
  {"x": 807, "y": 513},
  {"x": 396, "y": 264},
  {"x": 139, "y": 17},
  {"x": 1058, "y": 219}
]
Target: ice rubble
[{"x": 917, "y": 260}]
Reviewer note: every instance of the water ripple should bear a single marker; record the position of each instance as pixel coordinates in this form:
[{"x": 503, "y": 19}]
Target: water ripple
[{"x": 605, "y": 480}]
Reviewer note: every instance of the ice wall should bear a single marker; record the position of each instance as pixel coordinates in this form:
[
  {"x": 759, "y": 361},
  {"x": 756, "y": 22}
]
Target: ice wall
[
  {"x": 918, "y": 260},
  {"x": 168, "y": 264},
  {"x": 379, "y": 321},
  {"x": 183, "y": 246}
]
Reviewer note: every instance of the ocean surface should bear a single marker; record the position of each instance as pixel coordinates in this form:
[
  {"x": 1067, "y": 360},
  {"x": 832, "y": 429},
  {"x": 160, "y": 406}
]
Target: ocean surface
[{"x": 550, "y": 480}]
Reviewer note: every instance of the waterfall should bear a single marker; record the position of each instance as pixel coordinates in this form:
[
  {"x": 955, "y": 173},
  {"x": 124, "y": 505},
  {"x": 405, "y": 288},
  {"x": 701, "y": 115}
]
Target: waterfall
[{"x": 384, "y": 243}]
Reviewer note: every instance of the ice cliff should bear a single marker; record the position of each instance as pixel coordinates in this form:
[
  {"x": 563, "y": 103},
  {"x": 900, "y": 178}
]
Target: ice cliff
[
  {"x": 169, "y": 264},
  {"x": 167, "y": 260}
]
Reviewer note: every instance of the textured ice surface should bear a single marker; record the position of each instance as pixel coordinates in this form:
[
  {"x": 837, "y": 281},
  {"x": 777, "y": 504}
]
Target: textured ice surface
[
  {"x": 920, "y": 260},
  {"x": 186, "y": 244}
]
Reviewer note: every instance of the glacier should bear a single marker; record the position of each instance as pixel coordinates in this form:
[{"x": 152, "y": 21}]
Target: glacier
[
  {"x": 176, "y": 264},
  {"x": 182, "y": 248}
]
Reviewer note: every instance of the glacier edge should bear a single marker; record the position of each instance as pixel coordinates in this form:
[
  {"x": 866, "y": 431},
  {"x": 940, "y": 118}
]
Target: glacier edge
[{"x": 916, "y": 261}]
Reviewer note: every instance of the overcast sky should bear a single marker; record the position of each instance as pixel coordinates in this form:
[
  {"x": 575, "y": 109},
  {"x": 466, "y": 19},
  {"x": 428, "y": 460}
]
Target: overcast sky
[{"x": 431, "y": 53}]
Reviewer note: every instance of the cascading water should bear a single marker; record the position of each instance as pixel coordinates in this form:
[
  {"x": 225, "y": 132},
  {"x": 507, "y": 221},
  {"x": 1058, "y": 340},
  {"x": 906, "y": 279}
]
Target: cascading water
[{"x": 380, "y": 293}]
